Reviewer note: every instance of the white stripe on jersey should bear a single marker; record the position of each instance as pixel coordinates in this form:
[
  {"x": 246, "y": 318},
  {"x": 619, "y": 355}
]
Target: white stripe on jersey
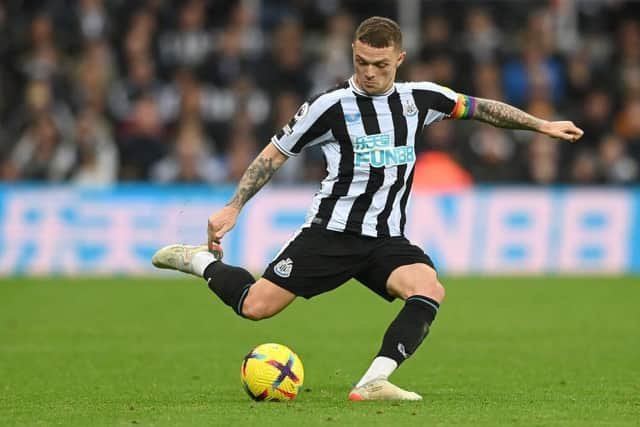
[
  {"x": 412, "y": 128},
  {"x": 306, "y": 116},
  {"x": 331, "y": 153},
  {"x": 333, "y": 204},
  {"x": 432, "y": 117},
  {"x": 430, "y": 86},
  {"x": 385, "y": 121},
  {"x": 355, "y": 128}
]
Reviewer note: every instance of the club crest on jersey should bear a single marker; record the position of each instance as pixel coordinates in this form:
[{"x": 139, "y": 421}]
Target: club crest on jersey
[
  {"x": 284, "y": 268},
  {"x": 352, "y": 118},
  {"x": 409, "y": 109}
]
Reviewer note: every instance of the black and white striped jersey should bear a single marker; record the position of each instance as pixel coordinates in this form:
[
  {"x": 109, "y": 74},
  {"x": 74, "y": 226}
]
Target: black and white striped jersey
[{"x": 369, "y": 146}]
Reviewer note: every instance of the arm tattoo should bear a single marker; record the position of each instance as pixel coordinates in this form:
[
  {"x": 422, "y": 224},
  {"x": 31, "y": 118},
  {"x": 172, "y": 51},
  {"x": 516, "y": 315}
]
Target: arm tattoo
[
  {"x": 255, "y": 177},
  {"x": 503, "y": 115}
]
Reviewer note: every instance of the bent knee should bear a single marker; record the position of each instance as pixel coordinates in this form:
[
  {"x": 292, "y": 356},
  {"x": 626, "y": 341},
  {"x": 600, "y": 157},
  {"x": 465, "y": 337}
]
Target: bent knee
[
  {"x": 255, "y": 310},
  {"x": 439, "y": 292},
  {"x": 432, "y": 289}
]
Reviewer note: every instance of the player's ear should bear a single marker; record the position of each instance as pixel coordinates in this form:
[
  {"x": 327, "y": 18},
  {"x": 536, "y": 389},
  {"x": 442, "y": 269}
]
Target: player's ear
[{"x": 401, "y": 57}]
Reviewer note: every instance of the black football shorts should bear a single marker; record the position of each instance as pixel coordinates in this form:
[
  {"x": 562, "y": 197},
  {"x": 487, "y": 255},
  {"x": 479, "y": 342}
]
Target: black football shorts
[{"x": 317, "y": 260}]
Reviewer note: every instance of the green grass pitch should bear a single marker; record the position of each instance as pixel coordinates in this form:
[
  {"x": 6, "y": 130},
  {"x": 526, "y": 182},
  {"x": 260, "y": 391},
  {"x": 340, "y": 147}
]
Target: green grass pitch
[{"x": 165, "y": 352}]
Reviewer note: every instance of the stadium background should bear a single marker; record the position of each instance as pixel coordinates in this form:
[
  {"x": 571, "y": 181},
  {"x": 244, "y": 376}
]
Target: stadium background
[
  {"x": 98, "y": 95},
  {"x": 124, "y": 124},
  {"x": 161, "y": 91}
]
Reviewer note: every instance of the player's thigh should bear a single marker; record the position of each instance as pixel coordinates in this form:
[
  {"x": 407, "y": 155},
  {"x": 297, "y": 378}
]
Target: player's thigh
[
  {"x": 415, "y": 279},
  {"x": 396, "y": 268},
  {"x": 265, "y": 299}
]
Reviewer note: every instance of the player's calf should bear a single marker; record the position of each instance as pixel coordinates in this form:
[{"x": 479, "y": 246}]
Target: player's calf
[
  {"x": 231, "y": 284},
  {"x": 418, "y": 285}
]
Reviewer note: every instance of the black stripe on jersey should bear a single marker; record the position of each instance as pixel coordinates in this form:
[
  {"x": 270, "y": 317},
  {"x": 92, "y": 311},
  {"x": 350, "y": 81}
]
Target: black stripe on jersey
[
  {"x": 345, "y": 168},
  {"x": 376, "y": 174},
  {"x": 400, "y": 137},
  {"x": 429, "y": 99},
  {"x": 422, "y": 98},
  {"x": 343, "y": 85},
  {"x": 280, "y": 133},
  {"x": 403, "y": 202},
  {"x": 425, "y": 99},
  {"x": 319, "y": 127}
]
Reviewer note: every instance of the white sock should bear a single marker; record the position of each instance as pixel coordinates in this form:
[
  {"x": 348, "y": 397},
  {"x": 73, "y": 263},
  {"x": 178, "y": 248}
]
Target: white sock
[
  {"x": 201, "y": 261},
  {"x": 381, "y": 367}
]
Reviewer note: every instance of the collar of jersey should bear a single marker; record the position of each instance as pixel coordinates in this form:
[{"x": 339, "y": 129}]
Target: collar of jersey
[{"x": 359, "y": 91}]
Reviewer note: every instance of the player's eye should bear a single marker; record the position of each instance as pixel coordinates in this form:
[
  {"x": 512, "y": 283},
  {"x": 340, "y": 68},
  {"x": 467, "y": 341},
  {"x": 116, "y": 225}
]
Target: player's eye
[{"x": 383, "y": 65}]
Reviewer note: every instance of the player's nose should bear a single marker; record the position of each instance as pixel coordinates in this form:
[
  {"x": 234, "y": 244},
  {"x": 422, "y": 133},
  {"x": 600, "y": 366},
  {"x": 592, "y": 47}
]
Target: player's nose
[{"x": 369, "y": 72}]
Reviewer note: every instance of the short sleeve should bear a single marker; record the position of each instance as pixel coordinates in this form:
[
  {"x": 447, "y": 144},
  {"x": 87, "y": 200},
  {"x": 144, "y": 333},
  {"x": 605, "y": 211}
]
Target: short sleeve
[
  {"x": 309, "y": 126},
  {"x": 436, "y": 101}
]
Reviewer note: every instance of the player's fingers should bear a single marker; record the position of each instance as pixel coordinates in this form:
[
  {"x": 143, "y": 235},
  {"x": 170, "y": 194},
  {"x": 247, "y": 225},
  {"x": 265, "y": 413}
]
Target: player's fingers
[
  {"x": 571, "y": 137},
  {"x": 214, "y": 226},
  {"x": 575, "y": 129},
  {"x": 575, "y": 134},
  {"x": 211, "y": 234},
  {"x": 562, "y": 136},
  {"x": 213, "y": 244},
  {"x": 212, "y": 238},
  {"x": 221, "y": 232}
]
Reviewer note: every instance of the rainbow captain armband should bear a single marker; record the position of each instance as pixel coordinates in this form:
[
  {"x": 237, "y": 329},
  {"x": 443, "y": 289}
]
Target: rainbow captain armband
[{"x": 465, "y": 107}]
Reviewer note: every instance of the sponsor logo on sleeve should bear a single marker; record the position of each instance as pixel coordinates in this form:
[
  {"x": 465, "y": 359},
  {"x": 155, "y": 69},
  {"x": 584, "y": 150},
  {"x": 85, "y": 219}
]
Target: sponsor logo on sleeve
[
  {"x": 302, "y": 111},
  {"x": 352, "y": 118}
]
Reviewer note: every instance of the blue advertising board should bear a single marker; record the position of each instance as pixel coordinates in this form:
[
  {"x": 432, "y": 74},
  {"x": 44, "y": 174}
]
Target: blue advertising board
[{"x": 496, "y": 230}]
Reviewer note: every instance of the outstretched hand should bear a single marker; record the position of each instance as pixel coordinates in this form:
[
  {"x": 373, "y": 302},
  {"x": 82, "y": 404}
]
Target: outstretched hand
[
  {"x": 220, "y": 223},
  {"x": 562, "y": 130}
]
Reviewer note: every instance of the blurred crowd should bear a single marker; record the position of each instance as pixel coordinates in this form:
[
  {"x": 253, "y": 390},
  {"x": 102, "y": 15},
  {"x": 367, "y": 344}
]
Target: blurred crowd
[{"x": 100, "y": 91}]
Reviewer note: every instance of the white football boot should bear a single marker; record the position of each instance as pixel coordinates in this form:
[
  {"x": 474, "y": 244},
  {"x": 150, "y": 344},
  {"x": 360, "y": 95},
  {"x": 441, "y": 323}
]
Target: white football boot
[
  {"x": 381, "y": 389},
  {"x": 179, "y": 257}
]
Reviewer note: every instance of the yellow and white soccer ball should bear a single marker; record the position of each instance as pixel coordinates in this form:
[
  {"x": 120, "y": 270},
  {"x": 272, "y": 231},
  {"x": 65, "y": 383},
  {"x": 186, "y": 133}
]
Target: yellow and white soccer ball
[{"x": 272, "y": 372}]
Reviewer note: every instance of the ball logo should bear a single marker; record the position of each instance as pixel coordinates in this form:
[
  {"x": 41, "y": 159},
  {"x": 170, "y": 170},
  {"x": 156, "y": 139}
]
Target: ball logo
[{"x": 283, "y": 268}]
